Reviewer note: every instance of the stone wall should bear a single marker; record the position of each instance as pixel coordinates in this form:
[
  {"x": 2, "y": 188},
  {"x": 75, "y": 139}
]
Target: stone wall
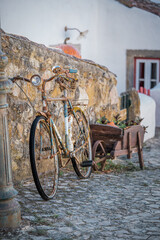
[{"x": 97, "y": 85}]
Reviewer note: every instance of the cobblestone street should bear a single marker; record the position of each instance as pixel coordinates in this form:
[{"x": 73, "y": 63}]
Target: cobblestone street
[{"x": 106, "y": 206}]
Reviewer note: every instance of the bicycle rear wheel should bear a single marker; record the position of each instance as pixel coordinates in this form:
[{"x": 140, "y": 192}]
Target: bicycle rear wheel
[
  {"x": 81, "y": 144},
  {"x": 43, "y": 158}
]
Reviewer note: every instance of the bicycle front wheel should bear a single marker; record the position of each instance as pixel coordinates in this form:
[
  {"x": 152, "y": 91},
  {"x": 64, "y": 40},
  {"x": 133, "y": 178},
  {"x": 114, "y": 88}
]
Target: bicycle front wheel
[
  {"x": 81, "y": 144},
  {"x": 43, "y": 158}
]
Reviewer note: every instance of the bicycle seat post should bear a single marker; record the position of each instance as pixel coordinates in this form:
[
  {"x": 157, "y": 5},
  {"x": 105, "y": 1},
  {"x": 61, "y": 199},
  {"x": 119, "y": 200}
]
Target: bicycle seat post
[
  {"x": 44, "y": 102},
  {"x": 66, "y": 118}
]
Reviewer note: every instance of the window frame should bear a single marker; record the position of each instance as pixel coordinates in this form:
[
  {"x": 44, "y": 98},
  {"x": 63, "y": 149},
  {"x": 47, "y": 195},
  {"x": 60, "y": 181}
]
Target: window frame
[{"x": 147, "y": 71}]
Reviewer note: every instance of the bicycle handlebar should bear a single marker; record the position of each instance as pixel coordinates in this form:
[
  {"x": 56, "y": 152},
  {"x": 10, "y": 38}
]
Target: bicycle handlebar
[
  {"x": 19, "y": 78},
  {"x": 61, "y": 76},
  {"x": 58, "y": 74}
]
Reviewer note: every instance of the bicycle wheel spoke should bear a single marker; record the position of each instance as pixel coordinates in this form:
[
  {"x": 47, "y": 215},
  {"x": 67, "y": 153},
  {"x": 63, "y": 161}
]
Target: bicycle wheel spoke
[{"x": 82, "y": 145}]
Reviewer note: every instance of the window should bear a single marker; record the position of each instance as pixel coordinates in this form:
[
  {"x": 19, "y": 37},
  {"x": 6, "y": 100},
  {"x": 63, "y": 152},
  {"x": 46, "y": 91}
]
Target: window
[{"x": 147, "y": 73}]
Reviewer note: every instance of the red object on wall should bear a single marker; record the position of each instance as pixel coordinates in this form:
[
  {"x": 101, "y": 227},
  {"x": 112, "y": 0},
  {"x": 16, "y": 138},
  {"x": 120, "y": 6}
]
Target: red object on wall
[
  {"x": 141, "y": 90},
  {"x": 144, "y": 91},
  {"x": 68, "y": 49}
]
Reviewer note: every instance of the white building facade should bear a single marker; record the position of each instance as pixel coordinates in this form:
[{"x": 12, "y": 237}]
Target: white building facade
[{"x": 113, "y": 30}]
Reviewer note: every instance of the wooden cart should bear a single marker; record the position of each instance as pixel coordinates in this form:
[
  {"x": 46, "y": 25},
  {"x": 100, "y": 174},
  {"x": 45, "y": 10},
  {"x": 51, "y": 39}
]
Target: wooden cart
[{"x": 109, "y": 142}]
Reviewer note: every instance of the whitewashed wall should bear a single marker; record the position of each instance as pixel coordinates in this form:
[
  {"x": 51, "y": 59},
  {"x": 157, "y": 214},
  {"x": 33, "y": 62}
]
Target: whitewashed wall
[
  {"x": 155, "y": 94},
  {"x": 148, "y": 112},
  {"x": 113, "y": 28}
]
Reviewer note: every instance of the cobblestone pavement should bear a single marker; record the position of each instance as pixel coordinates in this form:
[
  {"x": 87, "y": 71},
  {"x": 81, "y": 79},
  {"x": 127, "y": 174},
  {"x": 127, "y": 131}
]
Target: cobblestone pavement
[{"x": 106, "y": 206}]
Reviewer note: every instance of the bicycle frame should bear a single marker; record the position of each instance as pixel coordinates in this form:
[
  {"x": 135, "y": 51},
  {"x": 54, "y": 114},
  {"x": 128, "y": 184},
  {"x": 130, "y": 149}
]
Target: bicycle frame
[{"x": 67, "y": 146}]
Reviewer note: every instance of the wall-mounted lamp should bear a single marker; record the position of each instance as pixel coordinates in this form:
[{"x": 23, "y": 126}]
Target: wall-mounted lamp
[{"x": 81, "y": 34}]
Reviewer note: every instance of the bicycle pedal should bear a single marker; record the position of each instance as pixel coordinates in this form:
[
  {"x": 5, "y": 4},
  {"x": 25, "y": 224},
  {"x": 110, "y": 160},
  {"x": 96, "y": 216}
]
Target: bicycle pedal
[{"x": 86, "y": 163}]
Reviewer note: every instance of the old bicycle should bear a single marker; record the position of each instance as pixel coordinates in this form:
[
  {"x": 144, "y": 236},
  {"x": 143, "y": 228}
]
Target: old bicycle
[{"x": 47, "y": 149}]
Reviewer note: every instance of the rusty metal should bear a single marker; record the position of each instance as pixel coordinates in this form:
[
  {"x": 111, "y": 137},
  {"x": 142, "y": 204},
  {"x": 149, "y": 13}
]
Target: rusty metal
[
  {"x": 42, "y": 114},
  {"x": 10, "y": 214},
  {"x": 82, "y": 146},
  {"x": 58, "y": 99}
]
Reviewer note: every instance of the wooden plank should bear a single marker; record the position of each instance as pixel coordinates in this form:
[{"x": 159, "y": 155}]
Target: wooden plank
[
  {"x": 106, "y": 138},
  {"x": 111, "y": 136},
  {"x": 133, "y": 130},
  {"x": 129, "y": 146},
  {"x": 108, "y": 134},
  {"x": 103, "y": 165},
  {"x": 100, "y": 133},
  {"x": 140, "y": 153},
  {"x": 106, "y": 129},
  {"x": 122, "y": 152},
  {"x": 118, "y": 145},
  {"x": 101, "y": 159}
]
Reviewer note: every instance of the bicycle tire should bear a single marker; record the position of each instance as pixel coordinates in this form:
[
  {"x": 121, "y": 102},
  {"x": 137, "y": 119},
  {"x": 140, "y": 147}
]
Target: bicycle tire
[
  {"x": 81, "y": 137},
  {"x": 43, "y": 158}
]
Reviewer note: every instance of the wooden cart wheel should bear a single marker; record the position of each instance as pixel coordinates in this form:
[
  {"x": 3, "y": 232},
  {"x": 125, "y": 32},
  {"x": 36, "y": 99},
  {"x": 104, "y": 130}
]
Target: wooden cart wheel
[{"x": 99, "y": 155}]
